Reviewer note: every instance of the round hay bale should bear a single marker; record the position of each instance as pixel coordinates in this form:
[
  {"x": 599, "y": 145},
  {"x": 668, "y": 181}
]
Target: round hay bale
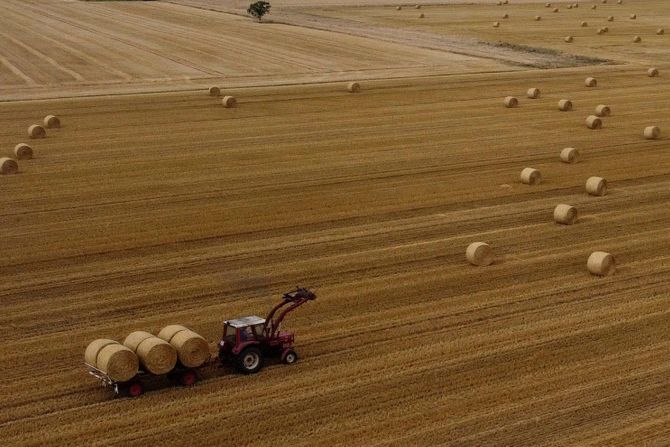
[
  {"x": 606, "y": 29},
  {"x": 652, "y": 132},
  {"x": 555, "y": 10},
  {"x": 538, "y": 18},
  {"x": 603, "y": 1},
  {"x": 576, "y": 5},
  {"x": 51, "y": 122},
  {"x": 602, "y": 110},
  {"x": 652, "y": 72},
  {"x": 229, "y": 102},
  {"x": 23, "y": 152},
  {"x": 156, "y": 355},
  {"x": 479, "y": 254},
  {"x": 417, "y": 6},
  {"x": 118, "y": 362},
  {"x": 593, "y": 122},
  {"x": 547, "y": 5},
  {"x": 353, "y": 87},
  {"x": 192, "y": 349},
  {"x": 569, "y": 6},
  {"x": 596, "y": 186},
  {"x": 511, "y": 101},
  {"x": 593, "y": 7},
  {"x": 8, "y": 166},
  {"x": 590, "y": 82},
  {"x": 398, "y": 8},
  {"x": 600, "y": 31},
  {"x": 633, "y": 16},
  {"x": 36, "y": 131},
  {"x": 660, "y": 31},
  {"x": 601, "y": 263},
  {"x": 533, "y": 93},
  {"x": 421, "y": 16},
  {"x": 568, "y": 39},
  {"x": 170, "y": 331},
  {"x": 496, "y": 24},
  {"x": 619, "y": 2},
  {"x": 505, "y": 2},
  {"x": 506, "y": 16},
  {"x": 94, "y": 348},
  {"x": 564, "y": 105},
  {"x": 565, "y": 214},
  {"x": 530, "y": 176},
  {"x": 583, "y": 24},
  {"x": 637, "y": 39},
  {"x": 610, "y": 18},
  {"x": 214, "y": 91},
  {"x": 570, "y": 155},
  {"x": 500, "y": 3}
]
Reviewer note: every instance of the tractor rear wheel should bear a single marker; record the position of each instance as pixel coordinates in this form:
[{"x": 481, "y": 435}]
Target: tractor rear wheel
[{"x": 250, "y": 360}]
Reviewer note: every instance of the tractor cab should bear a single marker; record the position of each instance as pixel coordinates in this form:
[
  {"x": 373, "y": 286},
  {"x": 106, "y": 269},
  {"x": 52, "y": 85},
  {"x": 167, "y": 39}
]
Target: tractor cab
[{"x": 242, "y": 331}]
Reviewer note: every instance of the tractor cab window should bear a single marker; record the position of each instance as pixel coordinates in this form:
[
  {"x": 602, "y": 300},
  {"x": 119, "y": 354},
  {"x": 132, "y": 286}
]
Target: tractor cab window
[
  {"x": 251, "y": 332},
  {"x": 258, "y": 330},
  {"x": 229, "y": 334}
]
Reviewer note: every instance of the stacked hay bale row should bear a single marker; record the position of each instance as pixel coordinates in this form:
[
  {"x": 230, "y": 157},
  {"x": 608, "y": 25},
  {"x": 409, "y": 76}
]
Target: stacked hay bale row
[{"x": 143, "y": 351}]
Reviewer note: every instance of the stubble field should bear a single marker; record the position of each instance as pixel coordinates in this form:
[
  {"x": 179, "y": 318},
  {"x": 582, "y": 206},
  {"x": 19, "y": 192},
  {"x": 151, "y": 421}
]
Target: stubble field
[{"x": 152, "y": 209}]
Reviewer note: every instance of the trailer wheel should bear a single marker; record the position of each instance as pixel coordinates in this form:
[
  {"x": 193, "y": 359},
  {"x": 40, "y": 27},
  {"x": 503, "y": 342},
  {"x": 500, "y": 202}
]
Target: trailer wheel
[
  {"x": 135, "y": 389},
  {"x": 290, "y": 357},
  {"x": 188, "y": 378},
  {"x": 250, "y": 360}
]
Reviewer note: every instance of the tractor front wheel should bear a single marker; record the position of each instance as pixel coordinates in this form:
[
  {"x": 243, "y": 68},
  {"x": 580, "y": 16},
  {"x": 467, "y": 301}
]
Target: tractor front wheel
[
  {"x": 250, "y": 360},
  {"x": 289, "y": 357}
]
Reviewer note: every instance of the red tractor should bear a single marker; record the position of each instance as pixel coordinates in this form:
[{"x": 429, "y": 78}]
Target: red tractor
[{"x": 246, "y": 341}]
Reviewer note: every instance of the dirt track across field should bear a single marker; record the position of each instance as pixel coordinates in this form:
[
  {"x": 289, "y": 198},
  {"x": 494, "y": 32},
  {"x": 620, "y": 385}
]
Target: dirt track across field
[{"x": 149, "y": 210}]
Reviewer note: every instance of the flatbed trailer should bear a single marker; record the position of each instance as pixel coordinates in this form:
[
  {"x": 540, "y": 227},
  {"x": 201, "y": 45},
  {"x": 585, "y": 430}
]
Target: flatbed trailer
[{"x": 136, "y": 386}]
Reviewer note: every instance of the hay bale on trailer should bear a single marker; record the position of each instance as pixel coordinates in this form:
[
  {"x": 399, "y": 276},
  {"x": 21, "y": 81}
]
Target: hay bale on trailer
[
  {"x": 192, "y": 349},
  {"x": 156, "y": 355},
  {"x": 111, "y": 357}
]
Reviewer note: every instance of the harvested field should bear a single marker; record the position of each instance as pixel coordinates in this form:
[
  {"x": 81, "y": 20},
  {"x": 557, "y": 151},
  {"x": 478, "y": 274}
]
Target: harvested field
[
  {"x": 149, "y": 210},
  {"x": 81, "y": 48},
  {"x": 474, "y": 20}
]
